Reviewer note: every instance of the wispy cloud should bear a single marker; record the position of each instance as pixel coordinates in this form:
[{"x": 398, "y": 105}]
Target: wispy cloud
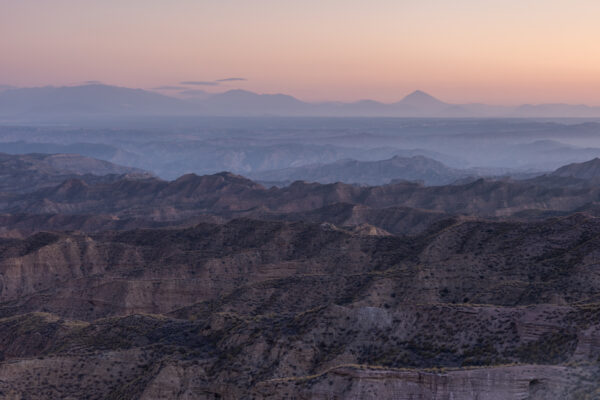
[
  {"x": 6, "y": 87},
  {"x": 93, "y": 83},
  {"x": 231, "y": 79},
  {"x": 200, "y": 83}
]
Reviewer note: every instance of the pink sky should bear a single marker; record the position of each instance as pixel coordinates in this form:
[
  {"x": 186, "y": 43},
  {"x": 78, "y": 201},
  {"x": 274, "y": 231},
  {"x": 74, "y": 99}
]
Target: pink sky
[{"x": 495, "y": 51}]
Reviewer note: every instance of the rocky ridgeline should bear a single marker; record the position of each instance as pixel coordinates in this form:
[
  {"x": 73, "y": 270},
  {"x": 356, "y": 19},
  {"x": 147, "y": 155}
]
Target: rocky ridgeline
[{"x": 216, "y": 287}]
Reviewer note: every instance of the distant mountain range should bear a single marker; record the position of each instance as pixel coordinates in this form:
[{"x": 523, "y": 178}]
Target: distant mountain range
[
  {"x": 98, "y": 100},
  {"x": 30, "y": 172},
  {"x": 589, "y": 170},
  {"x": 416, "y": 168},
  {"x": 87, "y": 100},
  {"x": 42, "y": 184}
]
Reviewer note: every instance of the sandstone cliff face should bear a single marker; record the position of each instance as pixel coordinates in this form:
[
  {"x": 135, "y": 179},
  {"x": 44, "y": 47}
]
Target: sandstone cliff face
[
  {"x": 160, "y": 271},
  {"x": 258, "y": 309},
  {"x": 328, "y": 353},
  {"x": 499, "y": 383}
]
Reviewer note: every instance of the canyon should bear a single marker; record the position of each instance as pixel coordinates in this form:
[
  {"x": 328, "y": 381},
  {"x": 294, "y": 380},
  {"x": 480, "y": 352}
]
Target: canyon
[{"x": 215, "y": 287}]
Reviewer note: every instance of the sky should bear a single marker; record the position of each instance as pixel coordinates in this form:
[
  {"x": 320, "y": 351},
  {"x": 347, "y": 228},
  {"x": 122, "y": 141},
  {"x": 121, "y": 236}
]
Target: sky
[{"x": 493, "y": 51}]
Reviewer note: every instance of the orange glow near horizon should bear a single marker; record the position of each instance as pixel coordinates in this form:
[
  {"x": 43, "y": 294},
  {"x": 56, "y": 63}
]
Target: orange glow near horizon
[{"x": 494, "y": 51}]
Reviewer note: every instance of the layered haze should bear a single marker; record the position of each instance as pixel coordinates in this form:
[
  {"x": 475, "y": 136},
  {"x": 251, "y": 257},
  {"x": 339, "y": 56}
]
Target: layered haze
[{"x": 278, "y": 199}]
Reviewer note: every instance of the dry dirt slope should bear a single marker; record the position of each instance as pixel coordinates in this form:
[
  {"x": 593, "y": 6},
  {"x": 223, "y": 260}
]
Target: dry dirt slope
[{"x": 255, "y": 309}]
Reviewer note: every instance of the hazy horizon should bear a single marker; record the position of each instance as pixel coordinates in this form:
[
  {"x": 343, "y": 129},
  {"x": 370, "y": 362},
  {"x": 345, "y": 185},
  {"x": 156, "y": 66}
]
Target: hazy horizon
[
  {"x": 186, "y": 94},
  {"x": 522, "y": 51}
]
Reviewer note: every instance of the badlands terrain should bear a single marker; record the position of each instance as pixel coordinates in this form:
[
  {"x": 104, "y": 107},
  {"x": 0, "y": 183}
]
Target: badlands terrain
[{"x": 117, "y": 284}]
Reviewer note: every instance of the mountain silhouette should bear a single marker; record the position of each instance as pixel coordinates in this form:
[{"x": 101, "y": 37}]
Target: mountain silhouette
[
  {"x": 421, "y": 99},
  {"x": 106, "y": 100}
]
